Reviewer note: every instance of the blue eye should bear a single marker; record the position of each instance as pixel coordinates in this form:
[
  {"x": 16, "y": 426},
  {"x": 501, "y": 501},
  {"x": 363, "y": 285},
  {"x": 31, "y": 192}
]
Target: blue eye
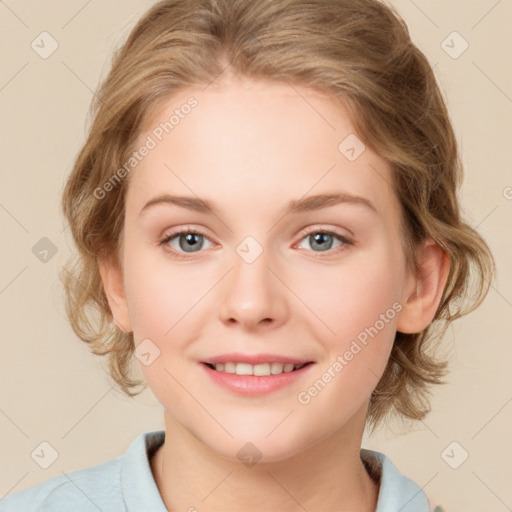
[
  {"x": 191, "y": 241},
  {"x": 323, "y": 240},
  {"x": 188, "y": 241}
]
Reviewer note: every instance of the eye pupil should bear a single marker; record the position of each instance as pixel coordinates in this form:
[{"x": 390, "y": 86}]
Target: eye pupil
[
  {"x": 320, "y": 239},
  {"x": 190, "y": 237}
]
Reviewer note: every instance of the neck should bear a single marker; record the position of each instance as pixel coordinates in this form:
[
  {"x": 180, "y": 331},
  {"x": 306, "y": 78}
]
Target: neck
[{"x": 328, "y": 475}]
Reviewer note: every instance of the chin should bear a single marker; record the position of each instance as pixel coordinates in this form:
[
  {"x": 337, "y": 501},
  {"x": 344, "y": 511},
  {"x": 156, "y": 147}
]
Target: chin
[{"x": 257, "y": 446}]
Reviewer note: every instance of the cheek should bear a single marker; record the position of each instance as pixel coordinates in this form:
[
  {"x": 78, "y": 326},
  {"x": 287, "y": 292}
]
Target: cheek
[
  {"x": 159, "y": 290},
  {"x": 354, "y": 310},
  {"x": 358, "y": 310},
  {"x": 348, "y": 298},
  {"x": 163, "y": 305}
]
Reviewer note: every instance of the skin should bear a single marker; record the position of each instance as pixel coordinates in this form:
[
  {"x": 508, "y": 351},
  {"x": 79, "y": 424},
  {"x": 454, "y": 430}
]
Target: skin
[{"x": 250, "y": 147}]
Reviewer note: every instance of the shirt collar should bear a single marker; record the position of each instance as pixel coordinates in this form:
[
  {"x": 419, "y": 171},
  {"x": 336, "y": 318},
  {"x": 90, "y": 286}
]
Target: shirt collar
[
  {"x": 139, "y": 488},
  {"x": 397, "y": 493}
]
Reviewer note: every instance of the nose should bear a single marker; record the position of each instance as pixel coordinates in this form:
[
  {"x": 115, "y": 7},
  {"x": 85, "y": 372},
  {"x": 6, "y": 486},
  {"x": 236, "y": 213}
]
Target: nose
[{"x": 254, "y": 295}]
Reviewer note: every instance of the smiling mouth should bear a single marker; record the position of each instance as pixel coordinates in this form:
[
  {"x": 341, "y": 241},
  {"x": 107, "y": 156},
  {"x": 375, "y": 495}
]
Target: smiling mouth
[{"x": 257, "y": 370}]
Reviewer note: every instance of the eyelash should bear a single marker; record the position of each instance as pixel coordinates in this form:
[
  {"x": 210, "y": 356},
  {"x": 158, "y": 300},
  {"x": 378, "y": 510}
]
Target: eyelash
[{"x": 170, "y": 236}]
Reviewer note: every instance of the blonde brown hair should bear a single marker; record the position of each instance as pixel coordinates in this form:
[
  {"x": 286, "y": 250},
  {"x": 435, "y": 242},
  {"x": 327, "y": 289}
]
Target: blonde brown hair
[{"x": 358, "y": 52}]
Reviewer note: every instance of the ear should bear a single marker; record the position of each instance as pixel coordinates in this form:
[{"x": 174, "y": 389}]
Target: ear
[
  {"x": 112, "y": 278},
  {"x": 424, "y": 290}
]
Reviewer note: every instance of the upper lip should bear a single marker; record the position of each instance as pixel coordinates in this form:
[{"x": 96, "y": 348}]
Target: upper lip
[{"x": 254, "y": 359}]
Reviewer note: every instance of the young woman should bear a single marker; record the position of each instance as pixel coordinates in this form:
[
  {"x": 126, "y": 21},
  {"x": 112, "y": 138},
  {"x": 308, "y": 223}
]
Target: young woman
[{"x": 265, "y": 216}]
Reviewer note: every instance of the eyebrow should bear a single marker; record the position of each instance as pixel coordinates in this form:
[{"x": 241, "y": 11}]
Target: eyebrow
[{"x": 305, "y": 204}]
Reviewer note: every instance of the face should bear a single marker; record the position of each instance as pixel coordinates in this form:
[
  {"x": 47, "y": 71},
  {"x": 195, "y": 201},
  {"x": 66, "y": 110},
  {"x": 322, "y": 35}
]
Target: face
[{"x": 321, "y": 283}]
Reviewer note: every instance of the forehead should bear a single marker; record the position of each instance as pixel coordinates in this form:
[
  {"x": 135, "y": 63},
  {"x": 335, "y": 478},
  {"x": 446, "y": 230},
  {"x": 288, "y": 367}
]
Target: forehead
[{"x": 250, "y": 141}]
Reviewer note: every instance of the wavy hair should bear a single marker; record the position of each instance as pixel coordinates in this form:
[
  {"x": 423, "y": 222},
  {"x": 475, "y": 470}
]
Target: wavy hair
[{"x": 358, "y": 52}]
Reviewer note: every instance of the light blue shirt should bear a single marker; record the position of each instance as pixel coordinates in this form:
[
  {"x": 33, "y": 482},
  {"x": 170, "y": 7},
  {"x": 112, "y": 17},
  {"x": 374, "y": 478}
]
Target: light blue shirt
[{"x": 126, "y": 484}]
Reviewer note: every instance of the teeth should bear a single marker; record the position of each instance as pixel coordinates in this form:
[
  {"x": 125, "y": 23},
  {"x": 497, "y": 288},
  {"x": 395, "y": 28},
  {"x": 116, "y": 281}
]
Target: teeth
[
  {"x": 228, "y": 367},
  {"x": 260, "y": 370}
]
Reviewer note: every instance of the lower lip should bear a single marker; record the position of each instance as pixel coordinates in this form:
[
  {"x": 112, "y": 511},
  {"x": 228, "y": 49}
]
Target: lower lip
[{"x": 250, "y": 385}]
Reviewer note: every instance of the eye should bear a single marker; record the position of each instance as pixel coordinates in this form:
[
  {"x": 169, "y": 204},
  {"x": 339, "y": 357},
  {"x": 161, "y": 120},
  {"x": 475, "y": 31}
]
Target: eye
[
  {"x": 188, "y": 241},
  {"x": 323, "y": 240}
]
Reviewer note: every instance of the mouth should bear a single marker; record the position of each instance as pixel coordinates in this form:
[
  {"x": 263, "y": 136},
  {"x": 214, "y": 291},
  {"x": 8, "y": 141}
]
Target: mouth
[
  {"x": 257, "y": 370},
  {"x": 252, "y": 380}
]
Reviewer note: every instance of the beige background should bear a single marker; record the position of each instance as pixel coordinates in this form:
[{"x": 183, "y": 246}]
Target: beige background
[{"x": 53, "y": 390}]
